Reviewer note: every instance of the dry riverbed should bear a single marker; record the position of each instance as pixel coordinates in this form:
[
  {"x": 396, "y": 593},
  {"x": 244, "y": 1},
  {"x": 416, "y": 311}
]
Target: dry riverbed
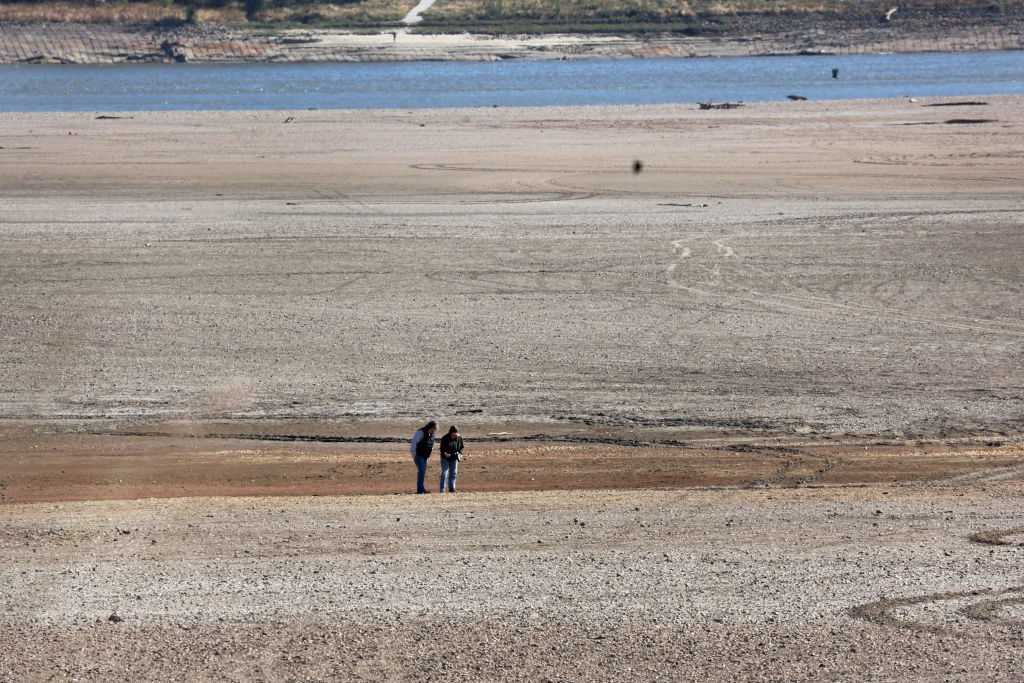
[{"x": 753, "y": 411}]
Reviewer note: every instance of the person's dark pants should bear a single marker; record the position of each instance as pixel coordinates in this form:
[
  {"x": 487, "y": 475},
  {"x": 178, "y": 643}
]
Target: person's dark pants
[{"x": 421, "y": 472}]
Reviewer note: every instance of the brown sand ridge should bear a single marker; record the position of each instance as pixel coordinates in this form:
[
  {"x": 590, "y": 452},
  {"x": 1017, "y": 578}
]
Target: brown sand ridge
[
  {"x": 96, "y": 467},
  {"x": 755, "y": 408}
]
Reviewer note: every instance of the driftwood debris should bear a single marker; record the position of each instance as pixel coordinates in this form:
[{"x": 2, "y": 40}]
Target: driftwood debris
[{"x": 721, "y": 105}]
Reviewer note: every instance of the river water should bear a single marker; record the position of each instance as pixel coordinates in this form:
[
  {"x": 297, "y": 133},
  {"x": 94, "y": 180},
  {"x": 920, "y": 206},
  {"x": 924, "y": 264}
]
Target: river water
[{"x": 136, "y": 87}]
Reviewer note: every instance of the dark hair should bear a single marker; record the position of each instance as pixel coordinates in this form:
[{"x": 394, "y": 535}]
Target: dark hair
[
  {"x": 453, "y": 429},
  {"x": 430, "y": 425}
]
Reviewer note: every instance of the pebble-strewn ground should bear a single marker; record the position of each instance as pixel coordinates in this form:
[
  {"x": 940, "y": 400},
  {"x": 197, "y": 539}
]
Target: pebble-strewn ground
[{"x": 850, "y": 584}]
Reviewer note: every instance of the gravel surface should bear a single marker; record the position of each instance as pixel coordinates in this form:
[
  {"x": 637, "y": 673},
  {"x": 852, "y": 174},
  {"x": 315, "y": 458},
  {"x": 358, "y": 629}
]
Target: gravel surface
[{"x": 878, "y": 583}]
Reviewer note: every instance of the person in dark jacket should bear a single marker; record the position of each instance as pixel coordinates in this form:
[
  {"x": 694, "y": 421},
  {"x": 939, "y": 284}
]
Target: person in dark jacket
[
  {"x": 451, "y": 454},
  {"x": 420, "y": 447}
]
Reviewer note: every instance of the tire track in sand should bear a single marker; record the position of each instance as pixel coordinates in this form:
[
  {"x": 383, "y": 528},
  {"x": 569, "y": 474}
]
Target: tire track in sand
[
  {"x": 954, "y": 612},
  {"x": 812, "y": 304}
]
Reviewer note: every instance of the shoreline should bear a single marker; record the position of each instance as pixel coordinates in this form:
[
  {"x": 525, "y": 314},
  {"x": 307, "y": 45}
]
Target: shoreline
[{"x": 116, "y": 44}]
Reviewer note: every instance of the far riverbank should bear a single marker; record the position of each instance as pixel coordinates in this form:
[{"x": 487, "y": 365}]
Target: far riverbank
[{"x": 752, "y": 36}]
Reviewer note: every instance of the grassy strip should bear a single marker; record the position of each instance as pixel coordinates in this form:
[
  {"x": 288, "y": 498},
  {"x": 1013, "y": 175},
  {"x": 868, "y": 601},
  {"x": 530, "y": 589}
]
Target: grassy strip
[
  {"x": 551, "y": 12},
  {"x": 486, "y": 16}
]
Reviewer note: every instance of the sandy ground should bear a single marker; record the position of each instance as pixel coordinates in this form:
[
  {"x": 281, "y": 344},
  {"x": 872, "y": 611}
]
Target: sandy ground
[
  {"x": 803, "y": 267},
  {"x": 754, "y": 410}
]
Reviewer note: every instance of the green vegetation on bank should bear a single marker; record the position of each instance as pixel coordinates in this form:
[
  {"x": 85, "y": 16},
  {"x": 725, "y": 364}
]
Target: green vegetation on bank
[{"x": 486, "y": 16}]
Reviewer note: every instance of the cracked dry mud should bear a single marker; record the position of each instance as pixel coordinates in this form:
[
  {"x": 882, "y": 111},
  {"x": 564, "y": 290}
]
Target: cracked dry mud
[
  {"x": 682, "y": 584},
  {"x": 752, "y": 412}
]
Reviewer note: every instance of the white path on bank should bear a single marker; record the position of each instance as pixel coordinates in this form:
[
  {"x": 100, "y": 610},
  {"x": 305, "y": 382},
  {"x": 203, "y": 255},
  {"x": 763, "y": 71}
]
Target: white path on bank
[{"x": 414, "y": 15}]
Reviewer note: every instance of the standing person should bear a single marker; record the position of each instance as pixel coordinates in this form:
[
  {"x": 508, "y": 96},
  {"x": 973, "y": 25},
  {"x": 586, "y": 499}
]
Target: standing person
[
  {"x": 451, "y": 454},
  {"x": 420, "y": 447}
]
